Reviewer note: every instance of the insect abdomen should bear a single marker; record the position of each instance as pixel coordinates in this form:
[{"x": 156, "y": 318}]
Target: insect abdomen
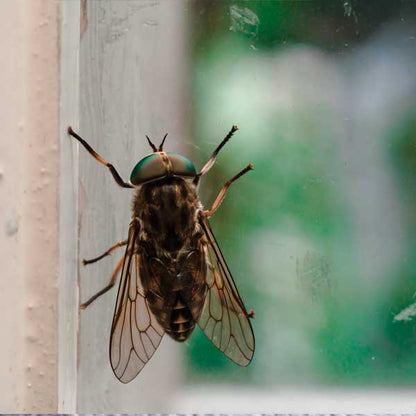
[{"x": 181, "y": 322}]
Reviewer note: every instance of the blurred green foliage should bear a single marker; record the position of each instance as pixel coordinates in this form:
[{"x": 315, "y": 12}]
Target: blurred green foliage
[{"x": 291, "y": 231}]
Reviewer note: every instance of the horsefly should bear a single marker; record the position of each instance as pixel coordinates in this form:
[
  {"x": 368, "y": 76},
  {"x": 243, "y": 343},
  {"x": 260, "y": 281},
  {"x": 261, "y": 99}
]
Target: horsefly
[{"x": 173, "y": 274}]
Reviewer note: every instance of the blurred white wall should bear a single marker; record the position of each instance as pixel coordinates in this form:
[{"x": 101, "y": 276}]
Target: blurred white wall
[{"x": 29, "y": 174}]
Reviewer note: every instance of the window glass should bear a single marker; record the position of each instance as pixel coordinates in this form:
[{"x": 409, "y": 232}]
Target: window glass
[{"x": 320, "y": 237}]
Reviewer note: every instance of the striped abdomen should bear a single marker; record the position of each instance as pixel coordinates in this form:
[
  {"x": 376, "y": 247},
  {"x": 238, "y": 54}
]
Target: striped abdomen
[{"x": 181, "y": 322}]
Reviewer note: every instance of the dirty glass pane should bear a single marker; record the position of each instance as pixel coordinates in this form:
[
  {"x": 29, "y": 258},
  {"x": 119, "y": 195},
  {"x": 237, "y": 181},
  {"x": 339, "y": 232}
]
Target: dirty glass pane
[{"x": 320, "y": 237}]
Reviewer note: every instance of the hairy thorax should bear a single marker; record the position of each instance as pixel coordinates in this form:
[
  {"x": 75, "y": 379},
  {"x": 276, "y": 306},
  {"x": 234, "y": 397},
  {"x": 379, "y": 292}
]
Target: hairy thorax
[{"x": 167, "y": 211}]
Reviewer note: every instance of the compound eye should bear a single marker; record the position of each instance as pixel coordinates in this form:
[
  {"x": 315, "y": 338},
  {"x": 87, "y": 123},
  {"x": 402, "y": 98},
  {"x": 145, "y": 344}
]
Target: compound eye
[
  {"x": 148, "y": 169},
  {"x": 181, "y": 166}
]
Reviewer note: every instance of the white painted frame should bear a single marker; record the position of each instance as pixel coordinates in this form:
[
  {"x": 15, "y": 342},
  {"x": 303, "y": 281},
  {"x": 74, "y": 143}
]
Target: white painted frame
[
  {"x": 68, "y": 203},
  {"x": 133, "y": 69}
]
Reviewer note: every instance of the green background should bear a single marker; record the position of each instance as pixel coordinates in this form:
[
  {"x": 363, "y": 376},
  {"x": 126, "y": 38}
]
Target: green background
[{"x": 320, "y": 237}]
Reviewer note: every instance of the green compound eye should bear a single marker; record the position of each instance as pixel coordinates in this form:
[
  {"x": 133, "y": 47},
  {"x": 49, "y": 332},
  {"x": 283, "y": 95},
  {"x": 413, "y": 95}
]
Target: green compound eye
[
  {"x": 148, "y": 169},
  {"x": 152, "y": 167},
  {"x": 181, "y": 166}
]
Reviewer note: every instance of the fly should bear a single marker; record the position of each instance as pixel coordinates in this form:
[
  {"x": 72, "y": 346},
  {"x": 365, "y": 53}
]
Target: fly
[{"x": 173, "y": 275}]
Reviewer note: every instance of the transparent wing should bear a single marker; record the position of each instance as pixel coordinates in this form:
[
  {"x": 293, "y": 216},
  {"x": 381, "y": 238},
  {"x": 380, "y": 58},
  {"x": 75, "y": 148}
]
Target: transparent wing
[
  {"x": 224, "y": 319},
  {"x": 135, "y": 332}
]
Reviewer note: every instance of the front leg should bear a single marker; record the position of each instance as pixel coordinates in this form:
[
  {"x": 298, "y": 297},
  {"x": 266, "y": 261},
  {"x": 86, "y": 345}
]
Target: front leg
[
  {"x": 97, "y": 157},
  {"x": 223, "y": 191}
]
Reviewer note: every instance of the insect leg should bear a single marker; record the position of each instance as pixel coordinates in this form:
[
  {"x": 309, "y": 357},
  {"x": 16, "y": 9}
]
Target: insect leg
[
  {"x": 111, "y": 283},
  {"x": 223, "y": 191},
  {"x": 213, "y": 157},
  {"x": 97, "y": 157},
  {"x": 107, "y": 253}
]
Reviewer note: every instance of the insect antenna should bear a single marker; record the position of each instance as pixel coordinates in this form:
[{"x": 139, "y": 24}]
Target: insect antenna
[
  {"x": 213, "y": 157},
  {"x": 161, "y": 144},
  {"x": 151, "y": 144},
  {"x": 225, "y": 140}
]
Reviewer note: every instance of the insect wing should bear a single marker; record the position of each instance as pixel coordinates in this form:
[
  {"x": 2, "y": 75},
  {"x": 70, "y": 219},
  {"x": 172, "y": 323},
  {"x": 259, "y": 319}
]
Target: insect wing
[
  {"x": 224, "y": 319},
  {"x": 135, "y": 332}
]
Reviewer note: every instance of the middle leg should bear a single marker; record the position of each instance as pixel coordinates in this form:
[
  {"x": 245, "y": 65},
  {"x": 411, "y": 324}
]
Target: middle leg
[
  {"x": 106, "y": 253},
  {"x": 110, "y": 284}
]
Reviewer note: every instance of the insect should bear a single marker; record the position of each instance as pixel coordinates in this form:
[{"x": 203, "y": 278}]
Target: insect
[{"x": 173, "y": 275}]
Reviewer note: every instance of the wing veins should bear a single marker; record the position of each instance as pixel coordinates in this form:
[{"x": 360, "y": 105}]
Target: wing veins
[
  {"x": 238, "y": 319},
  {"x": 226, "y": 301},
  {"x": 229, "y": 320},
  {"x": 126, "y": 336},
  {"x": 233, "y": 335}
]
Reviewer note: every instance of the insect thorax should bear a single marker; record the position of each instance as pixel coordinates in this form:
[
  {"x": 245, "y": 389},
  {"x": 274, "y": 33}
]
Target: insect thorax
[{"x": 168, "y": 212}]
